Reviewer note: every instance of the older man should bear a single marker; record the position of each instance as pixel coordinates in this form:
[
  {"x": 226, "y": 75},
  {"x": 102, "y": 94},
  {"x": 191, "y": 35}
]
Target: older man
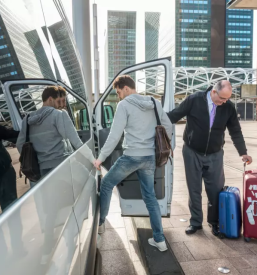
[{"x": 208, "y": 115}]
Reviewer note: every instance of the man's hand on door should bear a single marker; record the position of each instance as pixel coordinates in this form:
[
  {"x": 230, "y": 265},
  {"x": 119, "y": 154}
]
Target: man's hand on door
[{"x": 97, "y": 164}]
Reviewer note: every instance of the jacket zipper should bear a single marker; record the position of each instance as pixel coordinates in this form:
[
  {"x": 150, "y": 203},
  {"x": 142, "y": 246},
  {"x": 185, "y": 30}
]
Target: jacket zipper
[{"x": 209, "y": 128}]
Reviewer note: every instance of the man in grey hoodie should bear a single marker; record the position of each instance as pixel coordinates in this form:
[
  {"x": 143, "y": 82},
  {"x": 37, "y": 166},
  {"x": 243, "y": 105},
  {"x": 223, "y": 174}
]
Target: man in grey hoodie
[
  {"x": 49, "y": 128},
  {"x": 136, "y": 118}
]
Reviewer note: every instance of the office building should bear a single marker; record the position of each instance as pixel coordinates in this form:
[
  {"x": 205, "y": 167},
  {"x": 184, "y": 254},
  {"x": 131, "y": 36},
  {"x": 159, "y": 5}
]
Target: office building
[
  {"x": 239, "y": 38},
  {"x": 193, "y": 33},
  {"x": 208, "y": 35},
  {"x": 121, "y": 41},
  {"x": 68, "y": 57}
]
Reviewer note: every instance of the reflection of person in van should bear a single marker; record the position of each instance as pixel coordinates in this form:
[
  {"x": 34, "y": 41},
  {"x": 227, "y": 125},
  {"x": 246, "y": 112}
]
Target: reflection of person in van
[
  {"x": 8, "y": 192},
  {"x": 48, "y": 128},
  {"x": 61, "y": 100},
  {"x": 136, "y": 118}
]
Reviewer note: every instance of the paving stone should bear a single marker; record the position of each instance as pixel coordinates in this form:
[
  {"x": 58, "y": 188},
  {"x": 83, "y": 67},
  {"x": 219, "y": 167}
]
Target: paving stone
[
  {"x": 254, "y": 249},
  {"x": 175, "y": 221},
  {"x": 174, "y": 235},
  {"x": 181, "y": 252},
  {"x": 166, "y": 223},
  {"x": 179, "y": 210},
  {"x": 206, "y": 250},
  {"x": 114, "y": 239},
  {"x": 249, "y": 271},
  {"x": 239, "y": 263},
  {"x": 252, "y": 260},
  {"x": 134, "y": 251},
  {"x": 129, "y": 228},
  {"x": 114, "y": 220},
  {"x": 232, "y": 248},
  {"x": 115, "y": 207},
  {"x": 116, "y": 262},
  {"x": 139, "y": 268},
  {"x": 208, "y": 267}
]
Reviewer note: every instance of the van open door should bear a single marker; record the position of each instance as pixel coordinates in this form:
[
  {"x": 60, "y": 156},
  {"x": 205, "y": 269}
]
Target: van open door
[{"x": 152, "y": 78}]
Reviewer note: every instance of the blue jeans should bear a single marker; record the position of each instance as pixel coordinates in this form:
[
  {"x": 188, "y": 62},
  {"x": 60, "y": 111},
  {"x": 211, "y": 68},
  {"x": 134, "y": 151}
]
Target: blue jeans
[{"x": 145, "y": 168}]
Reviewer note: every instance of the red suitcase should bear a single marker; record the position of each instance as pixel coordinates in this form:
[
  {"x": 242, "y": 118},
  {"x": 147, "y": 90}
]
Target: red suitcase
[{"x": 250, "y": 205}]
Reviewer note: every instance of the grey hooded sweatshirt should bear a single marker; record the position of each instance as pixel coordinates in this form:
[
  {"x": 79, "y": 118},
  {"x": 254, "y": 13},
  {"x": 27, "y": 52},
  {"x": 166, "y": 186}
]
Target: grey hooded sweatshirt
[
  {"x": 48, "y": 128},
  {"x": 135, "y": 116}
]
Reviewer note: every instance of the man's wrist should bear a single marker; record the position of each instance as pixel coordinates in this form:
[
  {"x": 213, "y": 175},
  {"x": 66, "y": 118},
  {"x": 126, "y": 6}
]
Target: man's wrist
[{"x": 101, "y": 157}]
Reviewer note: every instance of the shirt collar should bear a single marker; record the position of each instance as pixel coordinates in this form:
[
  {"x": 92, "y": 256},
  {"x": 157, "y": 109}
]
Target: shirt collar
[{"x": 210, "y": 102}]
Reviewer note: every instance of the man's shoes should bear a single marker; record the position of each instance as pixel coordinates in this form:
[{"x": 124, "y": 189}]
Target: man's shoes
[
  {"x": 215, "y": 229},
  {"x": 192, "y": 229},
  {"x": 161, "y": 245},
  {"x": 101, "y": 228}
]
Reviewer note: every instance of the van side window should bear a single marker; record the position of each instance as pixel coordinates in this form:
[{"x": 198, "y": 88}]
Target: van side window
[{"x": 79, "y": 113}]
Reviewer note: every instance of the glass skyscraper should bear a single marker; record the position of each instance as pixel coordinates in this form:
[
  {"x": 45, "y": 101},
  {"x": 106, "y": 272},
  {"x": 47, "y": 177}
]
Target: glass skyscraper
[
  {"x": 239, "y": 38},
  {"x": 208, "y": 35},
  {"x": 193, "y": 33},
  {"x": 121, "y": 41},
  {"x": 152, "y": 25},
  {"x": 67, "y": 54}
]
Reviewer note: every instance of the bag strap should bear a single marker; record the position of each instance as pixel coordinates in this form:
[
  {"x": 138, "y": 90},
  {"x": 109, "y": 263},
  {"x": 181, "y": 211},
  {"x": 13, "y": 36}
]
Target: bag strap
[
  {"x": 27, "y": 129},
  {"x": 156, "y": 112}
]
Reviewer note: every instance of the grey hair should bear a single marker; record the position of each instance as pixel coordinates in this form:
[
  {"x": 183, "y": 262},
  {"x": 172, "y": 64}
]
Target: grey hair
[{"x": 219, "y": 86}]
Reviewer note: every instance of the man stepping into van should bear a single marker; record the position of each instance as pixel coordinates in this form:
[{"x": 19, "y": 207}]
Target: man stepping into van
[
  {"x": 48, "y": 129},
  {"x": 136, "y": 118}
]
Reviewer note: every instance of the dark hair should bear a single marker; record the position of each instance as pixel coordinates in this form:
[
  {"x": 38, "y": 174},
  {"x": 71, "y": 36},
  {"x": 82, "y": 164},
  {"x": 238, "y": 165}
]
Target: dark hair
[
  {"x": 62, "y": 91},
  {"x": 122, "y": 81},
  {"x": 50, "y": 91}
]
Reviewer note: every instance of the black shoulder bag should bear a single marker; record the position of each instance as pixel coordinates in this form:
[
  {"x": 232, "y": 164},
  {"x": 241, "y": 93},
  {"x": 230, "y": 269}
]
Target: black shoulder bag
[{"x": 28, "y": 159}]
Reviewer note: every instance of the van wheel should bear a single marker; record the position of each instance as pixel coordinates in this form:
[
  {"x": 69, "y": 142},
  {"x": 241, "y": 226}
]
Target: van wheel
[{"x": 247, "y": 240}]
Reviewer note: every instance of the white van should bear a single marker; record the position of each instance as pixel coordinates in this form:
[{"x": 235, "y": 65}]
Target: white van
[{"x": 52, "y": 228}]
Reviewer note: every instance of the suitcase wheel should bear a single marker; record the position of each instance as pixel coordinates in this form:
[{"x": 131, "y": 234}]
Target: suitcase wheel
[
  {"x": 247, "y": 239},
  {"x": 221, "y": 236}
]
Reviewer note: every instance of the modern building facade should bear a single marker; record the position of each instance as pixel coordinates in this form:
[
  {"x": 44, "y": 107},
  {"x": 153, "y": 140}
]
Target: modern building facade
[
  {"x": 152, "y": 27},
  {"x": 239, "y": 38},
  {"x": 128, "y": 43},
  {"x": 208, "y": 35},
  {"x": 67, "y": 55},
  {"x": 16, "y": 56},
  {"x": 193, "y": 33},
  {"x": 121, "y": 41}
]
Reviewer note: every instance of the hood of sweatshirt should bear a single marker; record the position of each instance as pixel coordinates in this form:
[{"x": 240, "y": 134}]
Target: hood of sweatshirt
[
  {"x": 37, "y": 117},
  {"x": 142, "y": 102}
]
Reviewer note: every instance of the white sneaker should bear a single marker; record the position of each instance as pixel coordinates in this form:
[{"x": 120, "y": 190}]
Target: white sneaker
[
  {"x": 161, "y": 245},
  {"x": 101, "y": 228}
]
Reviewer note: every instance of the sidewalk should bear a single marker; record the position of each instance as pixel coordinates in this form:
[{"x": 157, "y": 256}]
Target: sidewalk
[{"x": 202, "y": 253}]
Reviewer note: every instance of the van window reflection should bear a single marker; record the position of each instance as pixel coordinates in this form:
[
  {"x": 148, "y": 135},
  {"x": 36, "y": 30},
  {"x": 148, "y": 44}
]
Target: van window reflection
[{"x": 8, "y": 190}]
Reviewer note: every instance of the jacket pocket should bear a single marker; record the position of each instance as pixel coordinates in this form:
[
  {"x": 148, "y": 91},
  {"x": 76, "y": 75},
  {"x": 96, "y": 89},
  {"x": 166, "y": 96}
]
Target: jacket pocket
[{"x": 190, "y": 136}]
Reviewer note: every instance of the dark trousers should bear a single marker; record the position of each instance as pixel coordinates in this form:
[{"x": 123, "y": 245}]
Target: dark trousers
[
  {"x": 8, "y": 190},
  {"x": 210, "y": 169}
]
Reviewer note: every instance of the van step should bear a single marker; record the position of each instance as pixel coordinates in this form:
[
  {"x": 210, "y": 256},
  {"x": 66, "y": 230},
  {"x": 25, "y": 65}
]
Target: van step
[{"x": 155, "y": 262}]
